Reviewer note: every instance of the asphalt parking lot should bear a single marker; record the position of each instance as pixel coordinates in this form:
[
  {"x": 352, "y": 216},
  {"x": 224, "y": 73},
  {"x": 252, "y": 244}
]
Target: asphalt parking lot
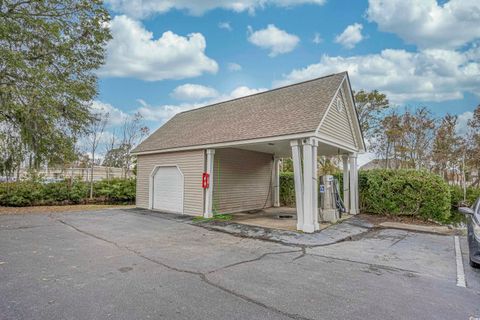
[{"x": 121, "y": 264}]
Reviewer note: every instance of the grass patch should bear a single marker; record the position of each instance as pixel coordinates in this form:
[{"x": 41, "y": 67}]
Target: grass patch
[{"x": 216, "y": 217}]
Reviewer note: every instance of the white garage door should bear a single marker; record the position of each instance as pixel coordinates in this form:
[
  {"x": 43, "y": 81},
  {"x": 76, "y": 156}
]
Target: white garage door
[{"x": 168, "y": 190}]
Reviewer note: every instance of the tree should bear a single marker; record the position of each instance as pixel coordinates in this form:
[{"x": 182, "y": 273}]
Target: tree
[
  {"x": 388, "y": 138},
  {"x": 94, "y": 136},
  {"x": 48, "y": 52},
  {"x": 114, "y": 158},
  {"x": 133, "y": 131},
  {"x": 11, "y": 152},
  {"x": 473, "y": 143},
  {"x": 370, "y": 108},
  {"x": 447, "y": 150},
  {"x": 418, "y": 136}
]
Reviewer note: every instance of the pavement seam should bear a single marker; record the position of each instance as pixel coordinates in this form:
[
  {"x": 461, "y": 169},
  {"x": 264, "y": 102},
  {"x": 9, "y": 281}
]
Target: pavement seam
[
  {"x": 380, "y": 266},
  {"x": 202, "y": 276}
]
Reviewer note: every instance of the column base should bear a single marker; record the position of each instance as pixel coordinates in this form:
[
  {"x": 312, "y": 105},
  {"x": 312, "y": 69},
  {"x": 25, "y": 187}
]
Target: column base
[
  {"x": 308, "y": 228},
  {"x": 208, "y": 215},
  {"x": 330, "y": 215}
]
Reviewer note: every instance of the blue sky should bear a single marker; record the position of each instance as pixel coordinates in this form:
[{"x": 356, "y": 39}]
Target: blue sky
[{"x": 168, "y": 56}]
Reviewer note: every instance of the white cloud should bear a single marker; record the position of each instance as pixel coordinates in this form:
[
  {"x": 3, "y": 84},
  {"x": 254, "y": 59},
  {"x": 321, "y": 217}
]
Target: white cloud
[
  {"x": 190, "y": 91},
  {"x": 164, "y": 112},
  {"x": 276, "y": 40},
  {"x": 427, "y": 23},
  {"x": 145, "y": 8},
  {"x": 244, "y": 91},
  {"x": 116, "y": 116},
  {"x": 133, "y": 52},
  {"x": 225, "y": 25},
  {"x": 317, "y": 39},
  {"x": 350, "y": 36},
  {"x": 232, "y": 66},
  {"x": 429, "y": 75},
  {"x": 462, "y": 122}
]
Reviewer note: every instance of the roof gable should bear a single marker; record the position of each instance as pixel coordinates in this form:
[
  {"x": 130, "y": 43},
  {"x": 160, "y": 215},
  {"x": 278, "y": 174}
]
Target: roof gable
[
  {"x": 294, "y": 109},
  {"x": 337, "y": 122}
]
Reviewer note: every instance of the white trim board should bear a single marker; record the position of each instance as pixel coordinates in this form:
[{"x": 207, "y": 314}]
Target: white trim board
[
  {"x": 229, "y": 144},
  {"x": 357, "y": 126}
]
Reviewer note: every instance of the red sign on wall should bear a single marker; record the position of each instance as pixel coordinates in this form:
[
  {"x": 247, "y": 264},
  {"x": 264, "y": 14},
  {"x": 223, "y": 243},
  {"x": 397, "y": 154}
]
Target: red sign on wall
[{"x": 205, "y": 180}]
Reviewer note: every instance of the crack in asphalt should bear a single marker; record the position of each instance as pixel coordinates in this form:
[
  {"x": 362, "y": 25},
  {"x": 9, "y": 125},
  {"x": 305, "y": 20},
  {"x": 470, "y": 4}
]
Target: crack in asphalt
[
  {"x": 304, "y": 252},
  {"x": 398, "y": 240},
  {"x": 253, "y": 260},
  {"x": 24, "y": 227},
  {"x": 202, "y": 276}
]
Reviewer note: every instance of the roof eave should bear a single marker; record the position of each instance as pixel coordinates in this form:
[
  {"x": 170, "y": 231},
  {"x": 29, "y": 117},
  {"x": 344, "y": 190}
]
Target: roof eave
[{"x": 229, "y": 143}]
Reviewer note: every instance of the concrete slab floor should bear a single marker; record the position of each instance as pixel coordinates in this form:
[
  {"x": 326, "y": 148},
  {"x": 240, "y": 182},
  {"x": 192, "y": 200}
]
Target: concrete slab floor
[{"x": 281, "y": 218}]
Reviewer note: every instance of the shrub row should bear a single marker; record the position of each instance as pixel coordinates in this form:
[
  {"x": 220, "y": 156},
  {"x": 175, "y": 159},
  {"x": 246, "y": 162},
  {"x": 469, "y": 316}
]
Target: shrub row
[
  {"x": 33, "y": 192},
  {"x": 405, "y": 192},
  {"x": 472, "y": 195},
  {"x": 395, "y": 192}
]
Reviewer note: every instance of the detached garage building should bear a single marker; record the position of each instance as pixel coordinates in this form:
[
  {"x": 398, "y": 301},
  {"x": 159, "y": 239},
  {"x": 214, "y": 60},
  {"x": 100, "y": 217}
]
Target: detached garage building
[{"x": 224, "y": 158}]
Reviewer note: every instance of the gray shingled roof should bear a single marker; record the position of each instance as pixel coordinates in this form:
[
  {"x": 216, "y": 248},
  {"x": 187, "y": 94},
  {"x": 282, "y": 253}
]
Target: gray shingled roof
[{"x": 296, "y": 108}]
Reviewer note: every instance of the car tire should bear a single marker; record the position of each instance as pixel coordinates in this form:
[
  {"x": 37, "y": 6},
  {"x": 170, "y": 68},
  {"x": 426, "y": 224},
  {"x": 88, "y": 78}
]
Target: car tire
[{"x": 474, "y": 264}]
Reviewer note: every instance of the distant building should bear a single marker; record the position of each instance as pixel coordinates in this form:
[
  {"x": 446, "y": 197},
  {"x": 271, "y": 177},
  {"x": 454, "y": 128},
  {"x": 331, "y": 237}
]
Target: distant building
[
  {"x": 453, "y": 177},
  {"x": 99, "y": 173},
  {"x": 383, "y": 164}
]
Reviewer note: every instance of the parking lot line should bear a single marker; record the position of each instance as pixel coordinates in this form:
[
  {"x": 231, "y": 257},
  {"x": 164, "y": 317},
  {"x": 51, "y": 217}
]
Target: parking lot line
[{"x": 459, "y": 260}]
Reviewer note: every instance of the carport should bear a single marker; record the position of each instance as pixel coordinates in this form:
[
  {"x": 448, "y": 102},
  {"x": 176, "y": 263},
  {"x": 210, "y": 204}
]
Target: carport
[{"x": 225, "y": 158}]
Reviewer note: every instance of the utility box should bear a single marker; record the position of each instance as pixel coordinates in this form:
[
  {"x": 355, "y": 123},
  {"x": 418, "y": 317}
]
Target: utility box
[{"x": 328, "y": 206}]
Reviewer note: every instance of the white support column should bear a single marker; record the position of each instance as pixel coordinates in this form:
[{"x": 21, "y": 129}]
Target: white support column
[
  {"x": 208, "y": 213},
  {"x": 357, "y": 191},
  {"x": 346, "y": 184},
  {"x": 297, "y": 174},
  {"x": 353, "y": 184},
  {"x": 315, "y": 184},
  {"x": 308, "y": 179},
  {"x": 276, "y": 182}
]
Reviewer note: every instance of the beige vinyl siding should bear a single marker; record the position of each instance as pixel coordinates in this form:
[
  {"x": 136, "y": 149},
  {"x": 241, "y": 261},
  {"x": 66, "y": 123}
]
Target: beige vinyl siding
[
  {"x": 337, "y": 123},
  {"x": 241, "y": 180},
  {"x": 191, "y": 163}
]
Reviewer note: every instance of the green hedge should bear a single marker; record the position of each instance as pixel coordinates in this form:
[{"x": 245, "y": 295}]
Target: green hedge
[
  {"x": 404, "y": 192},
  {"x": 457, "y": 196},
  {"x": 29, "y": 193},
  {"x": 287, "y": 189},
  {"x": 117, "y": 190},
  {"x": 392, "y": 192}
]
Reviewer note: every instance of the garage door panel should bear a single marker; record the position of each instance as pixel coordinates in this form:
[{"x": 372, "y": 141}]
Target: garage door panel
[{"x": 168, "y": 189}]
